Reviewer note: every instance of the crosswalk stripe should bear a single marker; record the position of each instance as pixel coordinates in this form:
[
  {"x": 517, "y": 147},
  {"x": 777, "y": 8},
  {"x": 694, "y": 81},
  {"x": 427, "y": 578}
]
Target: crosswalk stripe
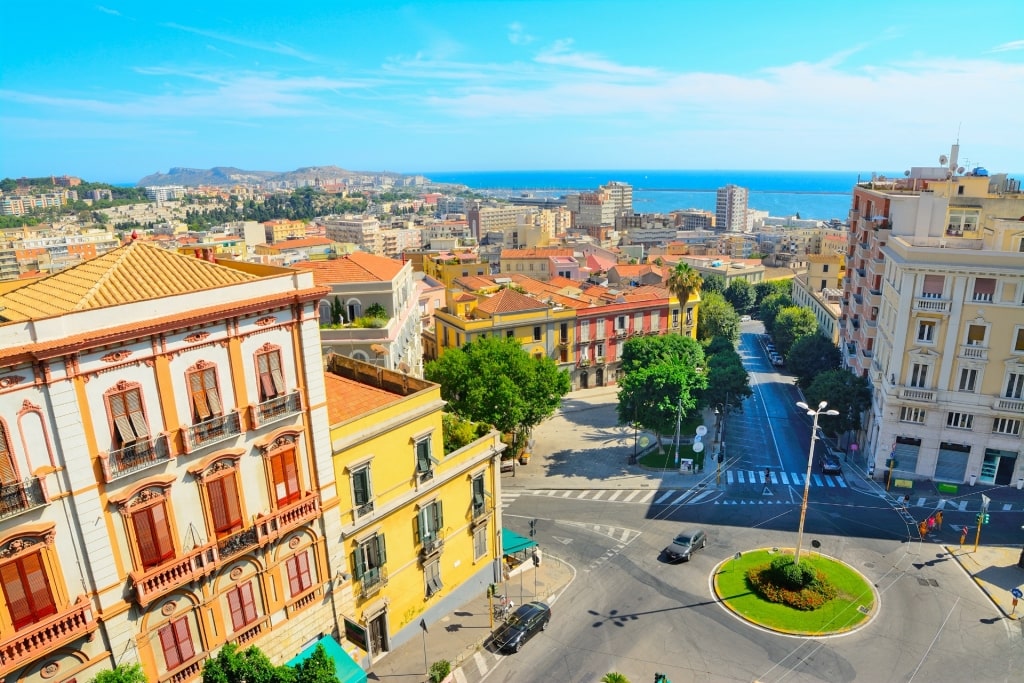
[
  {"x": 598, "y": 494},
  {"x": 817, "y": 480},
  {"x": 753, "y": 477},
  {"x": 668, "y": 494},
  {"x": 1007, "y": 506},
  {"x": 701, "y": 497},
  {"x": 785, "y": 479},
  {"x": 941, "y": 505},
  {"x": 625, "y": 535},
  {"x": 796, "y": 479},
  {"x": 646, "y": 497},
  {"x": 583, "y": 495},
  {"x": 842, "y": 484},
  {"x": 679, "y": 500},
  {"x": 550, "y": 493},
  {"x": 631, "y": 496},
  {"x": 566, "y": 494},
  {"x": 481, "y": 663},
  {"x": 614, "y": 496},
  {"x": 739, "y": 476},
  {"x": 963, "y": 506},
  {"x": 460, "y": 677},
  {"x": 728, "y": 477},
  {"x": 920, "y": 502},
  {"x": 828, "y": 480}
]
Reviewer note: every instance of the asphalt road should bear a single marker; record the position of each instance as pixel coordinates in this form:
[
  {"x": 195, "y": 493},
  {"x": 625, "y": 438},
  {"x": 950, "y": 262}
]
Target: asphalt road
[{"x": 629, "y": 611}]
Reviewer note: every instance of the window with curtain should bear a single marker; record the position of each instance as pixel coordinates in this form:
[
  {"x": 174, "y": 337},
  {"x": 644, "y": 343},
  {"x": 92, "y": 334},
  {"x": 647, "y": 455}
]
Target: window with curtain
[{"x": 932, "y": 286}]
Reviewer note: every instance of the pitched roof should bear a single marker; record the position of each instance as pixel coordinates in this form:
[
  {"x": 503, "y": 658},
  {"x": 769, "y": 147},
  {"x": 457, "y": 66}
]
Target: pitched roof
[
  {"x": 132, "y": 273},
  {"x": 509, "y": 301},
  {"x": 301, "y": 243},
  {"x": 355, "y": 267},
  {"x": 347, "y": 398},
  {"x": 535, "y": 253}
]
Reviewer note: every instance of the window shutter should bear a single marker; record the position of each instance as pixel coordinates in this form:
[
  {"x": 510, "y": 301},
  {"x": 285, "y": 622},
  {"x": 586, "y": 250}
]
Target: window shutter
[
  {"x": 195, "y": 381},
  {"x": 275, "y": 371},
  {"x": 40, "y": 597},
  {"x": 380, "y": 550},
  {"x": 17, "y": 598},
  {"x": 184, "y": 638},
  {"x": 304, "y": 580},
  {"x": 133, "y": 399},
  {"x": 291, "y": 475},
  {"x": 359, "y": 487},
  {"x": 419, "y": 529},
  {"x": 162, "y": 532},
  {"x": 212, "y": 395},
  {"x": 439, "y": 515},
  {"x": 231, "y": 501},
  {"x": 224, "y": 504},
  {"x": 145, "y": 537},
  {"x": 423, "y": 455},
  {"x": 119, "y": 412},
  {"x": 235, "y": 607},
  {"x": 358, "y": 565},
  {"x": 8, "y": 473},
  {"x": 248, "y": 602},
  {"x": 171, "y": 658},
  {"x": 266, "y": 381},
  {"x": 294, "y": 585}
]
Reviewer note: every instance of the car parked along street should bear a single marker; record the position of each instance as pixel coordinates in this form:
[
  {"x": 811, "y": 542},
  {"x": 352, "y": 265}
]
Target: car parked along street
[{"x": 524, "y": 623}]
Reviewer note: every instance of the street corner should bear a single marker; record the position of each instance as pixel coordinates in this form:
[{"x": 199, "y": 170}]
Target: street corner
[{"x": 997, "y": 573}]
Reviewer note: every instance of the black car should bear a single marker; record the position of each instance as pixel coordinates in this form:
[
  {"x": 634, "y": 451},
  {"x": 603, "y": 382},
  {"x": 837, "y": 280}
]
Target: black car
[
  {"x": 830, "y": 464},
  {"x": 521, "y": 626},
  {"x": 685, "y": 544}
]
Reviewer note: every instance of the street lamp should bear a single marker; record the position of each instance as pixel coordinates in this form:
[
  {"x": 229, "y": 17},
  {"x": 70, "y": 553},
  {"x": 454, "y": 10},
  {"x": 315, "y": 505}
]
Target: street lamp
[
  {"x": 810, "y": 461},
  {"x": 719, "y": 413}
]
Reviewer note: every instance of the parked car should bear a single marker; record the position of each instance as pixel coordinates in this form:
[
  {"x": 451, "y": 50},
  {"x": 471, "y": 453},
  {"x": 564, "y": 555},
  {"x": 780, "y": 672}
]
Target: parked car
[
  {"x": 776, "y": 359},
  {"x": 830, "y": 464},
  {"x": 524, "y": 623},
  {"x": 744, "y": 318},
  {"x": 685, "y": 544}
]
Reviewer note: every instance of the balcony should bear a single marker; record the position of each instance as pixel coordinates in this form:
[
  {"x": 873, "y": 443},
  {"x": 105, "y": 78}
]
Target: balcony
[
  {"x": 932, "y": 304},
  {"x": 867, "y": 353},
  {"x": 916, "y": 394},
  {"x": 21, "y": 497},
  {"x": 151, "y": 584},
  {"x": 862, "y": 271},
  {"x": 1010, "y": 405},
  {"x": 432, "y": 544},
  {"x": 372, "y": 581},
  {"x": 424, "y": 475},
  {"x": 134, "y": 457},
  {"x": 47, "y": 636},
  {"x": 275, "y": 409},
  {"x": 974, "y": 352},
  {"x": 364, "y": 509},
  {"x": 983, "y": 297},
  {"x": 859, "y": 298},
  {"x": 211, "y": 431}
]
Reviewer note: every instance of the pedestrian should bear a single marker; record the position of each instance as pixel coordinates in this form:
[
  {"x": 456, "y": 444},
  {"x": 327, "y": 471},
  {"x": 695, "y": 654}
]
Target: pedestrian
[
  {"x": 767, "y": 475},
  {"x": 931, "y": 523},
  {"x": 922, "y": 528},
  {"x": 938, "y": 520}
]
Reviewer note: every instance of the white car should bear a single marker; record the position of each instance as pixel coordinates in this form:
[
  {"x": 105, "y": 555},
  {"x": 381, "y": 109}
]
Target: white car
[{"x": 744, "y": 318}]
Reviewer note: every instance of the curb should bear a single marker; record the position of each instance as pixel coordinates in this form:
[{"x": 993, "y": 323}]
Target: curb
[{"x": 977, "y": 581}]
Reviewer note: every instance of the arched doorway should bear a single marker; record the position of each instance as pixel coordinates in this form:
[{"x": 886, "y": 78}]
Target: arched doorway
[
  {"x": 599, "y": 378},
  {"x": 584, "y": 380}
]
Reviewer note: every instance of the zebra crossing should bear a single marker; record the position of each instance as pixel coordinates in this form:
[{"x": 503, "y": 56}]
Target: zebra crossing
[
  {"x": 784, "y": 478},
  {"x": 668, "y": 497}
]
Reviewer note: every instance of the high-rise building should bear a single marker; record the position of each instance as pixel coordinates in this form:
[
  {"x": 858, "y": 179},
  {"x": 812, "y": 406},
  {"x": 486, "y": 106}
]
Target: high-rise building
[
  {"x": 731, "y": 209},
  {"x": 933, "y": 315}
]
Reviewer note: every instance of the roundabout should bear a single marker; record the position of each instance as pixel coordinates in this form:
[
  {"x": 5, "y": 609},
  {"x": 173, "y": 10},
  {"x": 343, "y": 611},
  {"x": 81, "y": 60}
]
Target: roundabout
[{"x": 854, "y": 604}]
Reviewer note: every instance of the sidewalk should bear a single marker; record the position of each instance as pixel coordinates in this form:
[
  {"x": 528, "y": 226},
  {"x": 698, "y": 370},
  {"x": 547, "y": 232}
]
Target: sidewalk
[
  {"x": 995, "y": 570},
  {"x": 460, "y": 636}
]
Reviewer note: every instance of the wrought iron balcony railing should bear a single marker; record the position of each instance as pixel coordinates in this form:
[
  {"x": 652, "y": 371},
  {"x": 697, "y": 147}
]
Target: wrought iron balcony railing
[
  {"x": 211, "y": 431},
  {"x": 21, "y": 497},
  {"x": 135, "y": 456},
  {"x": 276, "y": 408}
]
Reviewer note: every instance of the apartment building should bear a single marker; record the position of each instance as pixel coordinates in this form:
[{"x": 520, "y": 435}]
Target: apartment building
[
  {"x": 357, "y": 282},
  {"x": 163, "y": 193},
  {"x": 166, "y": 468},
  {"x": 283, "y": 229},
  {"x": 934, "y": 315},
  {"x": 693, "y": 219},
  {"x": 493, "y": 217},
  {"x": 820, "y": 289},
  {"x": 362, "y": 231},
  {"x": 539, "y": 263},
  {"x": 420, "y": 525},
  {"x": 731, "y": 208}
]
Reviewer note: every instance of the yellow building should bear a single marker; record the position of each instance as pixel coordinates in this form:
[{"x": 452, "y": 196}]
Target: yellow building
[
  {"x": 420, "y": 526},
  {"x": 446, "y": 267},
  {"x": 821, "y": 290}
]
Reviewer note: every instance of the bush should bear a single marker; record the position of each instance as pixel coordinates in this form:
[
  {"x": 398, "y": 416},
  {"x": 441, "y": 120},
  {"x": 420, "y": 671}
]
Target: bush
[
  {"x": 440, "y": 669},
  {"x": 799, "y": 586}
]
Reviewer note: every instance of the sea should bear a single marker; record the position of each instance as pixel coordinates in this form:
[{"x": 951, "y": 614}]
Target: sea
[{"x": 823, "y": 195}]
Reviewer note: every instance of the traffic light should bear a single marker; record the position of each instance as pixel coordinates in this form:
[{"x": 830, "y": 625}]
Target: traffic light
[
  {"x": 533, "y": 527},
  {"x": 985, "y": 521}
]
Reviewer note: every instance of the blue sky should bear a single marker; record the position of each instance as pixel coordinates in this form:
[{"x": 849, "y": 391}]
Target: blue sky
[{"x": 117, "y": 90}]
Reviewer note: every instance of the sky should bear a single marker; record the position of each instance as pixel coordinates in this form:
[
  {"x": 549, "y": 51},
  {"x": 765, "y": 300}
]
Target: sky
[{"x": 114, "y": 91}]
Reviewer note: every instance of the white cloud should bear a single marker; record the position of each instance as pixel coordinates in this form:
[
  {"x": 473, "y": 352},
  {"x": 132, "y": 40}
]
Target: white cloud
[
  {"x": 275, "y": 48},
  {"x": 517, "y": 34},
  {"x": 107, "y": 10},
  {"x": 1009, "y": 47}
]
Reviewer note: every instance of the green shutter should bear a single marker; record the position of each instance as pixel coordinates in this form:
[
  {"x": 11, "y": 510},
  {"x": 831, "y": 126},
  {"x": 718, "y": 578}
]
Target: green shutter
[
  {"x": 380, "y": 549},
  {"x": 357, "y": 563},
  {"x": 439, "y": 515}
]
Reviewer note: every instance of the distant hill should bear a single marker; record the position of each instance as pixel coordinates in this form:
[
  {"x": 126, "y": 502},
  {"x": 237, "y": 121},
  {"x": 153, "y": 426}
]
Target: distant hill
[{"x": 229, "y": 175}]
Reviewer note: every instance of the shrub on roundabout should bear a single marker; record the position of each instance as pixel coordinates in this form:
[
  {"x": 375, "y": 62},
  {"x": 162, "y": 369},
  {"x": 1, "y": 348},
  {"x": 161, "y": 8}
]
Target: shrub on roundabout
[{"x": 800, "y": 586}]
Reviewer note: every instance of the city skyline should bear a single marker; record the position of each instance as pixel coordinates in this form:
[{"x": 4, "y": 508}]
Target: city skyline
[{"x": 125, "y": 90}]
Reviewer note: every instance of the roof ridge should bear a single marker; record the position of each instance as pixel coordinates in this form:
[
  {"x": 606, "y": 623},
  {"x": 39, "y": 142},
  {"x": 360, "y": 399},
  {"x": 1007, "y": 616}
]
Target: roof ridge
[{"x": 105, "y": 277}]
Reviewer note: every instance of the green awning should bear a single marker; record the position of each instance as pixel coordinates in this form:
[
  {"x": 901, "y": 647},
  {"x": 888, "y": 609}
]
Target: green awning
[
  {"x": 512, "y": 542},
  {"x": 345, "y": 669}
]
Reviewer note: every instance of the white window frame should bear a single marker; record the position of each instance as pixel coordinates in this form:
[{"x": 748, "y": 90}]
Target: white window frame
[
  {"x": 957, "y": 420},
  {"x": 926, "y": 331},
  {"x": 1006, "y": 425},
  {"x": 968, "y": 381},
  {"x": 912, "y": 414}
]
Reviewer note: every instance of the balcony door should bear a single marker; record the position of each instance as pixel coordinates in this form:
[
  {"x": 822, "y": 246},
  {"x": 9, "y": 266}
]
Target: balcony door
[{"x": 27, "y": 591}]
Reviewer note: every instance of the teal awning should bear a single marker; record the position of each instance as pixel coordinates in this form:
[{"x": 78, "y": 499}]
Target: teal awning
[
  {"x": 512, "y": 542},
  {"x": 345, "y": 669}
]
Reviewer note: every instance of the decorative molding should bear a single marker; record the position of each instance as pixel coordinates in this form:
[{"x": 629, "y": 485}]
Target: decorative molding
[
  {"x": 28, "y": 406},
  {"x": 266, "y": 320},
  {"x": 116, "y": 356},
  {"x": 11, "y": 380},
  {"x": 149, "y": 495},
  {"x": 168, "y": 608},
  {"x": 196, "y": 337},
  {"x": 235, "y": 574},
  {"x": 280, "y": 442},
  {"x": 293, "y": 543},
  {"x": 49, "y": 670}
]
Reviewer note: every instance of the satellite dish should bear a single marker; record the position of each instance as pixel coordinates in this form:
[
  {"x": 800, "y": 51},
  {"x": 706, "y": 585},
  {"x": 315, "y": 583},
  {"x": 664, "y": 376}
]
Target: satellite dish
[
  {"x": 960, "y": 170},
  {"x": 702, "y": 430},
  {"x": 906, "y": 174},
  {"x": 943, "y": 160}
]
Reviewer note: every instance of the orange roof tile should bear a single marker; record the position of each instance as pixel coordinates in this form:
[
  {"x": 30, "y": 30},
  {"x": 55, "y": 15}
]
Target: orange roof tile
[
  {"x": 348, "y": 398},
  {"x": 355, "y": 267},
  {"x": 132, "y": 273},
  {"x": 509, "y": 301}
]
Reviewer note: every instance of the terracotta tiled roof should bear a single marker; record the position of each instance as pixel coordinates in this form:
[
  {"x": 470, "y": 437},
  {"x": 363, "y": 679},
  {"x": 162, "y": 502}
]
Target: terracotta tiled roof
[
  {"x": 509, "y": 301},
  {"x": 132, "y": 273},
  {"x": 355, "y": 267},
  {"x": 347, "y": 398}
]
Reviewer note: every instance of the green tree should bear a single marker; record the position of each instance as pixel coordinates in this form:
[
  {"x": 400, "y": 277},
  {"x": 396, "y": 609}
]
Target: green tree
[
  {"x": 740, "y": 294},
  {"x": 845, "y": 392},
  {"x": 375, "y": 310},
  {"x": 683, "y": 283},
  {"x": 728, "y": 380},
  {"x": 769, "y": 309},
  {"x": 810, "y": 356},
  {"x": 792, "y": 323},
  {"x": 232, "y": 665},
  {"x": 713, "y": 283},
  {"x": 495, "y": 381},
  {"x": 122, "y": 673},
  {"x": 717, "y": 319},
  {"x": 659, "y": 375},
  {"x": 766, "y": 288},
  {"x": 318, "y": 668},
  {"x": 337, "y": 311}
]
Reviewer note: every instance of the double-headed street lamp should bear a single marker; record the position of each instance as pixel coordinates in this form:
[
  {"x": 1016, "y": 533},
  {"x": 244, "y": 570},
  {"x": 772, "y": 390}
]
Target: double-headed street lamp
[
  {"x": 810, "y": 461},
  {"x": 719, "y": 414}
]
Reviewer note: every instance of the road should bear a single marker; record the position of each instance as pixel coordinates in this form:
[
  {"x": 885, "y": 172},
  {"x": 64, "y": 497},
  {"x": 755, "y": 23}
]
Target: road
[{"x": 629, "y": 611}]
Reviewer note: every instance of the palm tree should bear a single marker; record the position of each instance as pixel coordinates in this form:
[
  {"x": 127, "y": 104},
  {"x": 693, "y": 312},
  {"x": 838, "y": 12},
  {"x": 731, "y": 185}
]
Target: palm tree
[
  {"x": 614, "y": 677},
  {"x": 683, "y": 282}
]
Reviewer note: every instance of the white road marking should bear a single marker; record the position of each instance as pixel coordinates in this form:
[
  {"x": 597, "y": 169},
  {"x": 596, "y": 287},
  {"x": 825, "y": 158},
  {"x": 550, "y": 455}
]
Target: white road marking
[
  {"x": 785, "y": 479},
  {"x": 739, "y": 476},
  {"x": 728, "y": 477},
  {"x": 1007, "y": 506},
  {"x": 921, "y": 502},
  {"x": 963, "y": 506},
  {"x": 842, "y": 484},
  {"x": 817, "y": 479},
  {"x": 679, "y": 500},
  {"x": 583, "y": 495},
  {"x": 614, "y": 496},
  {"x": 631, "y": 496},
  {"x": 702, "y": 496},
  {"x": 668, "y": 494},
  {"x": 828, "y": 480},
  {"x": 481, "y": 663},
  {"x": 598, "y": 494},
  {"x": 566, "y": 494},
  {"x": 646, "y": 497}
]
